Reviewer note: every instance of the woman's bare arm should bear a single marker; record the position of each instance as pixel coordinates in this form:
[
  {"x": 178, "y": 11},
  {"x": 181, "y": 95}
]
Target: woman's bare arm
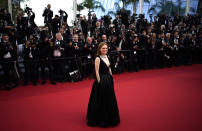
[
  {"x": 110, "y": 71},
  {"x": 97, "y": 65}
]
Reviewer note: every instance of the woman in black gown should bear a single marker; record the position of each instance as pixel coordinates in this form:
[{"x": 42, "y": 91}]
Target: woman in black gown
[{"x": 102, "y": 108}]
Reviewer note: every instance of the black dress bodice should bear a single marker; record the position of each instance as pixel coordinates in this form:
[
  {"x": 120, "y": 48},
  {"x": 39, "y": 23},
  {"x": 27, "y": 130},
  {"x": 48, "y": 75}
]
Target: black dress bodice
[{"x": 103, "y": 68}]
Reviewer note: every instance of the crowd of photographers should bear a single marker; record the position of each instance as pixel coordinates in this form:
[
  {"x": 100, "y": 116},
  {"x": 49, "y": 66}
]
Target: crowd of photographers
[{"x": 67, "y": 53}]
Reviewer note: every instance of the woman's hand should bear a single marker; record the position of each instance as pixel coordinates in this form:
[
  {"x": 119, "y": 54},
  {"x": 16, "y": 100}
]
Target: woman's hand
[{"x": 98, "y": 80}]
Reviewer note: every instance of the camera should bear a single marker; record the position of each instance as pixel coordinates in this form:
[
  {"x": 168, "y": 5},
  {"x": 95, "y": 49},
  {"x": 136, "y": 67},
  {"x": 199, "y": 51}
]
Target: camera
[
  {"x": 28, "y": 9},
  {"x": 78, "y": 15},
  {"x": 89, "y": 14},
  {"x": 61, "y": 11},
  {"x": 107, "y": 20},
  {"x": 141, "y": 16}
]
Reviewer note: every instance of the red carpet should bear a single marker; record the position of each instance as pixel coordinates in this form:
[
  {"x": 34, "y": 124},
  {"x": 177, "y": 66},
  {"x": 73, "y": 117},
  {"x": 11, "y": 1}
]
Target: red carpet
[{"x": 168, "y": 99}]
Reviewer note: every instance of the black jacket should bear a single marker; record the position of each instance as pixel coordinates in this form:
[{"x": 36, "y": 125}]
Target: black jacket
[
  {"x": 47, "y": 14},
  {"x": 6, "y": 47}
]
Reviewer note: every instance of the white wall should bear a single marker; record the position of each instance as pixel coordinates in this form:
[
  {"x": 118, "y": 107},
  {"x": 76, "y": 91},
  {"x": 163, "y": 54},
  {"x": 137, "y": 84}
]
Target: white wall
[{"x": 38, "y": 7}]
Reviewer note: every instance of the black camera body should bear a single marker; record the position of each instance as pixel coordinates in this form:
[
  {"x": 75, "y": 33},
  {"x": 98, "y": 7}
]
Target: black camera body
[
  {"x": 61, "y": 11},
  {"x": 78, "y": 15},
  {"x": 141, "y": 16},
  {"x": 89, "y": 14},
  {"x": 28, "y": 9}
]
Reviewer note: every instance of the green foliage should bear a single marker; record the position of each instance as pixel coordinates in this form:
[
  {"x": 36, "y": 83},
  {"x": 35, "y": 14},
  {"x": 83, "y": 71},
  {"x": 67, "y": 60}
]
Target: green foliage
[
  {"x": 126, "y": 3},
  {"x": 168, "y": 7},
  {"x": 92, "y": 4},
  {"x": 80, "y": 7},
  {"x": 111, "y": 13},
  {"x": 199, "y": 8},
  {"x": 4, "y": 4}
]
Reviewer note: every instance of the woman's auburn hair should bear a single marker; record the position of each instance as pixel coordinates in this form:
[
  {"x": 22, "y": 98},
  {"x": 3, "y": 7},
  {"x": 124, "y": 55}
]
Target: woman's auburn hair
[{"x": 99, "y": 47}]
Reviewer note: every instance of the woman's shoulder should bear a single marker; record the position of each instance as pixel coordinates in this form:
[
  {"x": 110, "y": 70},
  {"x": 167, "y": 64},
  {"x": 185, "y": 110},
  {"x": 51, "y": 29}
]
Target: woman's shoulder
[{"x": 97, "y": 58}]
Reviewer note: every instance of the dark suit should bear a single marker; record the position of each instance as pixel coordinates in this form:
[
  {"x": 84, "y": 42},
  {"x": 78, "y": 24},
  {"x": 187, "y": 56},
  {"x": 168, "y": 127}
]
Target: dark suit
[
  {"x": 134, "y": 61},
  {"x": 8, "y": 55},
  {"x": 63, "y": 18},
  {"x": 47, "y": 14},
  {"x": 160, "y": 53},
  {"x": 142, "y": 52},
  {"x": 88, "y": 53},
  {"x": 58, "y": 61},
  {"x": 176, "y": 55},
  {"x": 45, "y": 53},
  {"x": 55, "y": 25},
  {"x": 30, "y": 24},
  {"x": 31, "y": 64}
]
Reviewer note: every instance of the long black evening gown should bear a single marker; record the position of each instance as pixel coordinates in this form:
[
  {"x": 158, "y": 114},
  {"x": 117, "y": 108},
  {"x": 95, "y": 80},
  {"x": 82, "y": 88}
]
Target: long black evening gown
[{"x": 102, "y": 108}]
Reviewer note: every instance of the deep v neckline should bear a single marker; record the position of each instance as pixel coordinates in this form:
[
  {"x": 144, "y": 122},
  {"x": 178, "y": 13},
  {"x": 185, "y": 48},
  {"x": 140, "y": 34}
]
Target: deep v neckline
[{"x": 105, "y": 62}]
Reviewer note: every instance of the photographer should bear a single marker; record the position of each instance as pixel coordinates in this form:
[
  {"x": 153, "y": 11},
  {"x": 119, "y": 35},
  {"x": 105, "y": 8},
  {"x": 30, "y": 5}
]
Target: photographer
[
  {"x": 58, "y": 58},
  {"x": 177, "y": 19},
  {"x": 94, "y": 20},
  {"x": 107, "y": 21},
  {"x": 75, "y": 48},
  {"x": 169, "y": 50},
  {"x": 99, "y": 31},
  {"x": 6, "y": 25},
  {"x": 199, "y": 43},
  {"x": 88, "y": 53},
  {"x": 114, "y": 42},
  {"x": 31, "y": 61},
  {"x": 117, "y": 56},
  {"x": 44, "y": 32},
  {"x": 117, "y": 22},
  {"x": 160, "y": 46},
  {"x": 45, "y": 59},
  {"x": 142, "y": 51},
  {"x": 63, "y": 16},
  {"x": 48, "y": 14},
  {"x": 67, "y": 36},
  {"x": 176, "y": 45},
  {"x": 152, "y": 51},
  {"x": 55, "y": 25},
  {"x": 8, "y": 56},
  {"x": 133, "y": 19},
  {"x": 30, "y": 24},
  {"x": 134, "y": 61},
  {"x": 141, "y": 23},
  {"x": 21, "y": 28},
  {"x": 5, "y": 18},
  {"x": 84, "y": 26},
  {"x": 124, "y": 17}
]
